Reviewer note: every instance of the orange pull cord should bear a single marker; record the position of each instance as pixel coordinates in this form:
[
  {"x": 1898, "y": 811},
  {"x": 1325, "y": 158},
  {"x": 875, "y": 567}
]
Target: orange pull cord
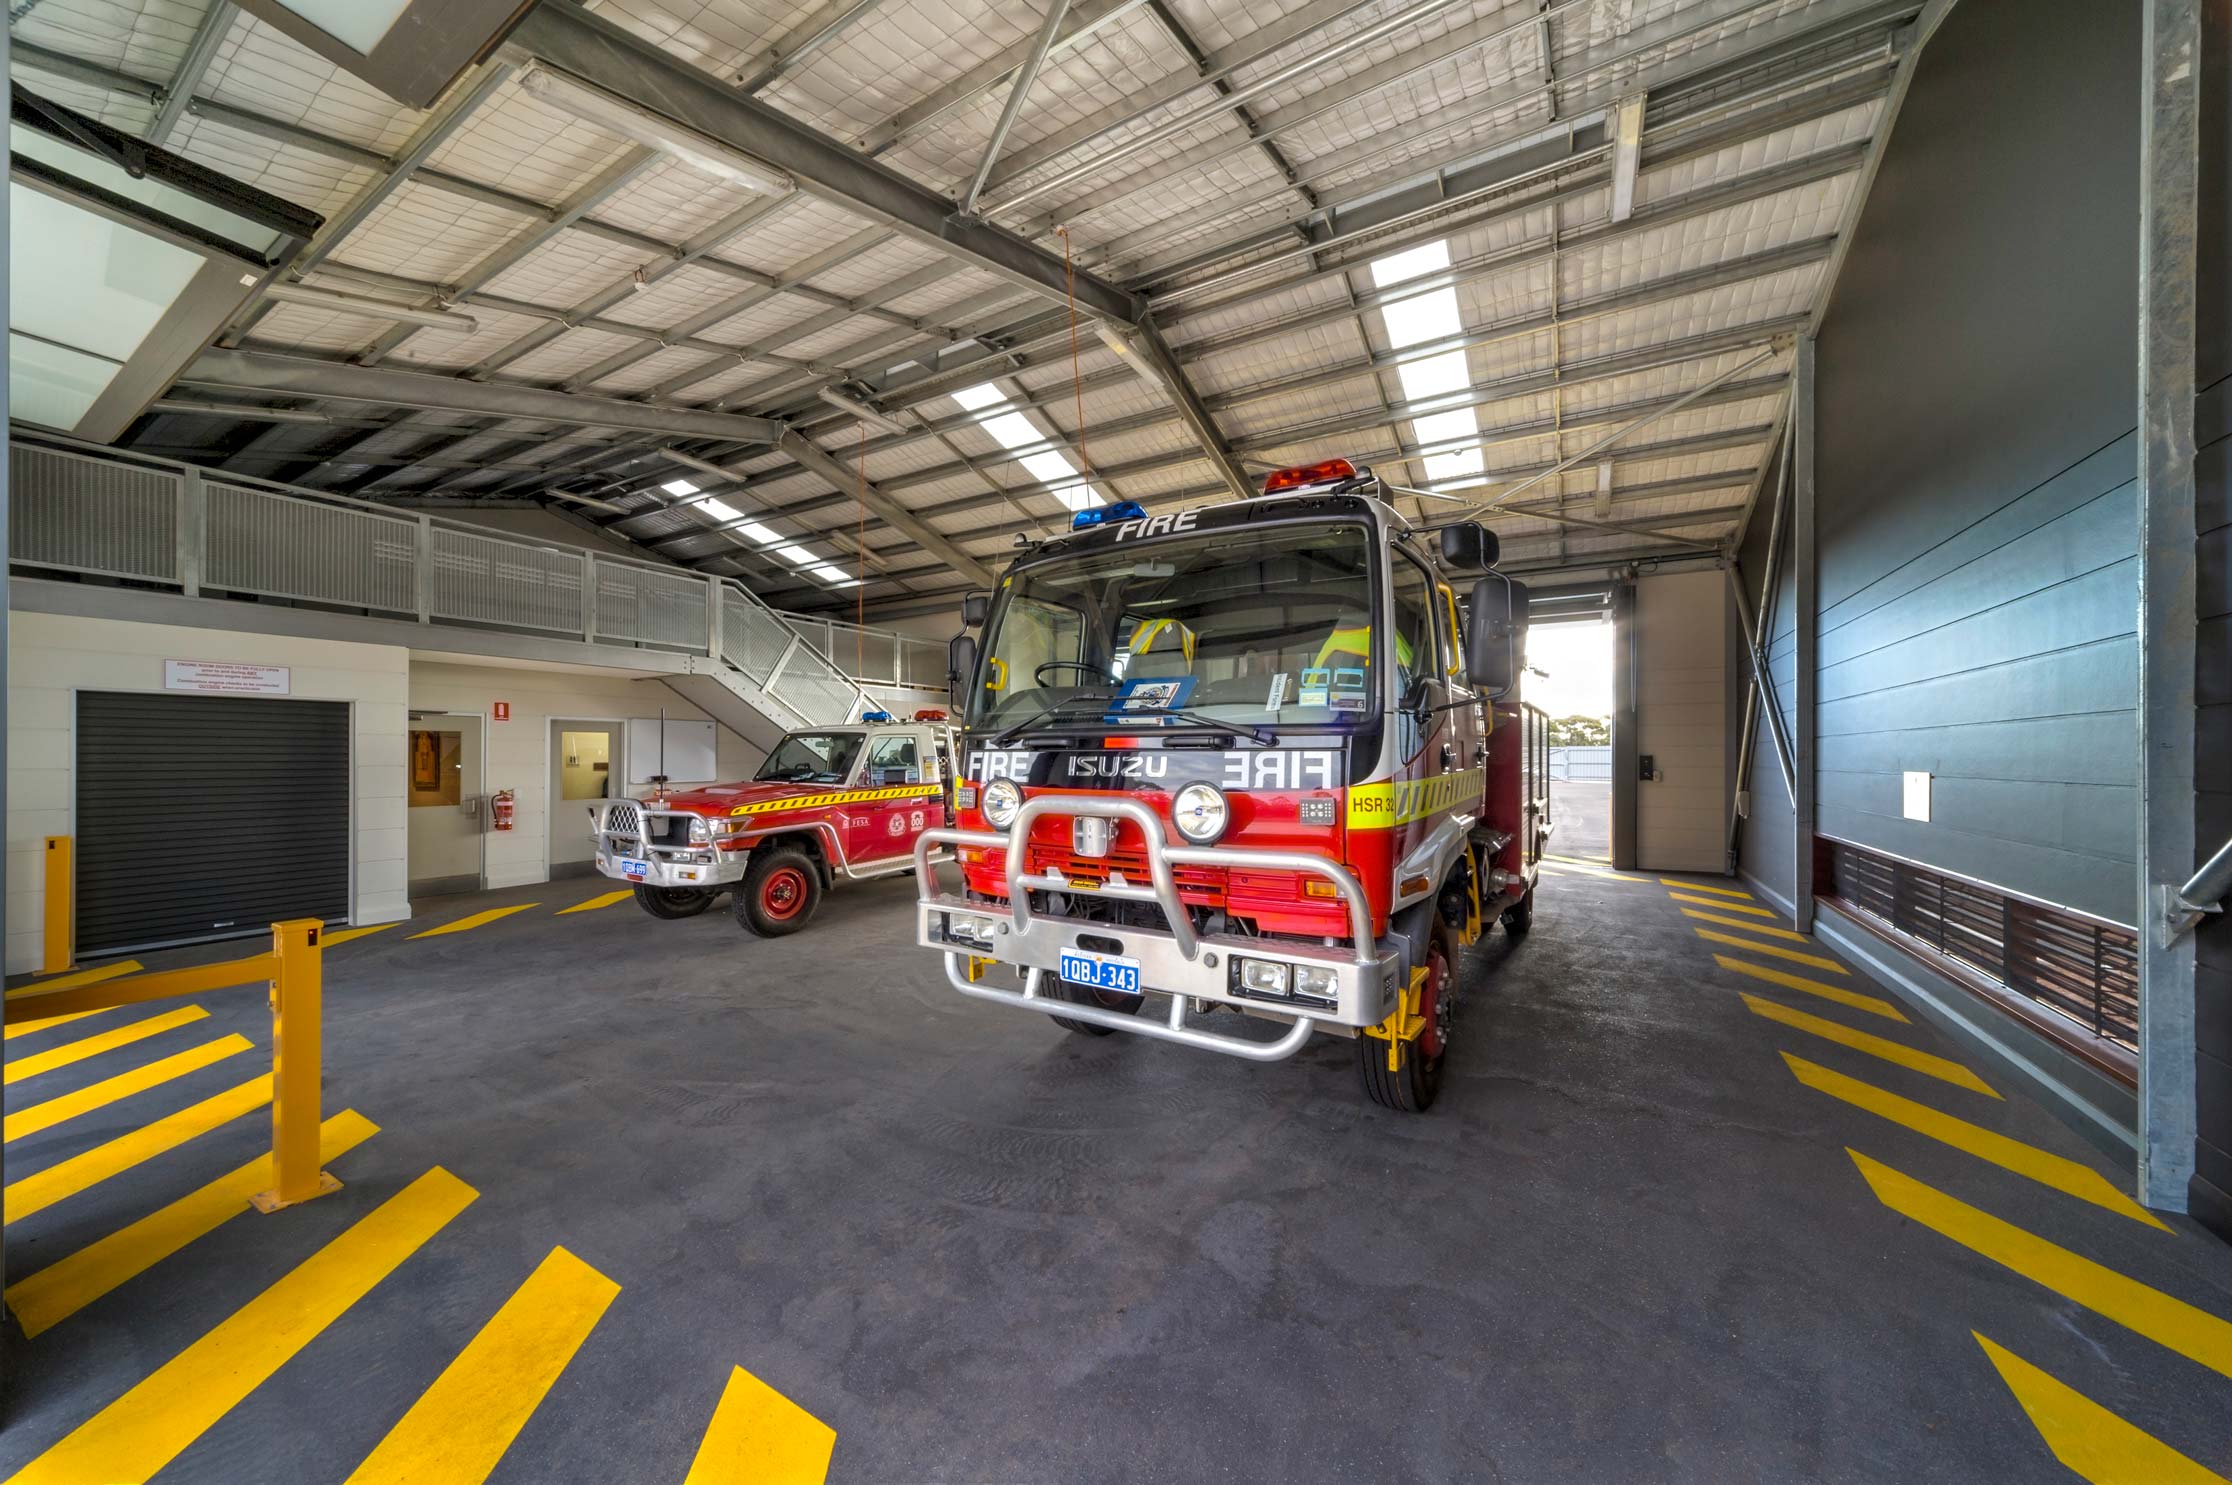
[
  {"x": 860, "y": 559},
  {"x": 1077, "y": 377}
]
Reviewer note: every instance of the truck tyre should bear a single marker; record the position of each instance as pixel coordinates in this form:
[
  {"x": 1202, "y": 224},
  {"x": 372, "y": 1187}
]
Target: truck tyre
[
  {"x": 1519, "y": 917},
  {"x": 1105, "y": 1000},
  {"x": 1411, "y": 1087},
  {"x": 779, "y": 893},
  {"x": 672, "y": 902}
]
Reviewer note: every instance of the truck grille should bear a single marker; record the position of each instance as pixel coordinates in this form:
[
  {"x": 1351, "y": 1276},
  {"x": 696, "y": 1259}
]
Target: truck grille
[
  {"x": 1198, "y": 886},
  {"x": 624, "y": 819}
]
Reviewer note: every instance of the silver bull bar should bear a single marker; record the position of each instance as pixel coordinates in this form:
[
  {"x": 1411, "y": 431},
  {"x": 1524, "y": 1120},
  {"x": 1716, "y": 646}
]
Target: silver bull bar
[
  {"x": 1178, "y": 961},
  {"x": 713, "y": 868}
]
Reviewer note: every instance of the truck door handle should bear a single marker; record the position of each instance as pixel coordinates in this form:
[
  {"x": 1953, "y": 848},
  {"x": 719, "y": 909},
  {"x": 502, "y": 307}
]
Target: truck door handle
[{"x": 1448, "y": 756}]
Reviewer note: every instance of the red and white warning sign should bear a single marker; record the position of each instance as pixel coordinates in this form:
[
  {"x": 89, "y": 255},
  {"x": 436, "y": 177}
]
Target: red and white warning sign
[{"x": 503, "y": 711}]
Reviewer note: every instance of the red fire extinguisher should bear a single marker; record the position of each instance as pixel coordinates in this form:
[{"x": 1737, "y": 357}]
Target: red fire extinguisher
[{"x": 500, "y": 807}]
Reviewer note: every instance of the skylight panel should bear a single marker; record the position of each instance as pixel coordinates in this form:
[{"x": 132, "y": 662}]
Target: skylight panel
[
  {"x": 1011, "y": 430},
  {"x": 978, "y": 397},
  {"x": 679, "y": 488},
  {"x": 718, "y": 509},
  {"x": 835, "y": 577},
  {"x": 1419, "y": 320},
  {"x": 797, "y": 556},
  {"x": 764, "y": 535}
]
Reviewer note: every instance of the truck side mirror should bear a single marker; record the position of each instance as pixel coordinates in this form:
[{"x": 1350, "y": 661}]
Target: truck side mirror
[
  {"x": 1469, "y": 546},
  {"x": 1492, "y": 634},
  {"x": 974, "y": 608},
  {"x": 961, "y": 664}
]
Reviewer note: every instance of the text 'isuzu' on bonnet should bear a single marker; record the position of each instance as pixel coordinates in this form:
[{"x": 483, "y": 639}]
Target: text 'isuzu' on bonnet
[{"x": 1243, "y": 758}]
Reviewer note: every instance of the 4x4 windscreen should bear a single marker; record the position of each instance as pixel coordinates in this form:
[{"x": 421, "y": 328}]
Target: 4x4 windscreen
[
  {"x": 811, "y": 758},
  {"x": 1269, "y": 626}
]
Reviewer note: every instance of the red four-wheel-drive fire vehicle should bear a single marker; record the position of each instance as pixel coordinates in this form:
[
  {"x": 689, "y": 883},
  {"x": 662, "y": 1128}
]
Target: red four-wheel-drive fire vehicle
[
  {"x": 1243, "y": 758},
  {"x": 830, "y": 803}
]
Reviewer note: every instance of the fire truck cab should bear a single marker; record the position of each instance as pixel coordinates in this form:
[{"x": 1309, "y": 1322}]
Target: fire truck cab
[
  {"x": 830, "y": 803},
  {"x": 1243, "y": 758}
]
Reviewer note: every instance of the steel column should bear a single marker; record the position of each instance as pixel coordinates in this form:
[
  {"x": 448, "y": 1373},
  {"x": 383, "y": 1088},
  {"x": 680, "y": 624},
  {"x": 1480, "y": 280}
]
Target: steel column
[
  {"x": 1625, "y": 753},
  {"x": 1803, "y": 618},
  {"x": 2169, "y": 175}
]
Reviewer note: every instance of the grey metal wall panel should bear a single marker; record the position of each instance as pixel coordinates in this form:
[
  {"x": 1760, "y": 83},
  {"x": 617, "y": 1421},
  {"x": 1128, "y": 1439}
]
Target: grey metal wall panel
[
  {"x": 204, "y": 817},
  {"x": 1975, "y": 467},
  {"x": 2213, "y": 778}
]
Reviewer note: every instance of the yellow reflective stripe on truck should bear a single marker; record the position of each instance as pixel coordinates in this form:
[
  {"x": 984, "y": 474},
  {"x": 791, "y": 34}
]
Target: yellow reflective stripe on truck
[
  {"x": 818, "y": 801},
  {"x": 1386, "y": 804}
]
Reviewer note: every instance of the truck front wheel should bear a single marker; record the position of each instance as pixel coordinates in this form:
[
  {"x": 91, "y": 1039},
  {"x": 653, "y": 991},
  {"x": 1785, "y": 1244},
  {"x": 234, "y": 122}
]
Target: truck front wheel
[
  {"x": 779, "y": 893},
  {"x": 1104, "y": 1000},
  {"x": 1410, "y": 1088},
  {"x": 672, "y": 902}
]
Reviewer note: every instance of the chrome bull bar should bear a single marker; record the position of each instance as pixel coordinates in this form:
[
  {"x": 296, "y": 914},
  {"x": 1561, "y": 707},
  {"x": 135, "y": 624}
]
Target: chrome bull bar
[
  {"x": 718, "y": 868},
  {"x": 1177, "y": 961}
]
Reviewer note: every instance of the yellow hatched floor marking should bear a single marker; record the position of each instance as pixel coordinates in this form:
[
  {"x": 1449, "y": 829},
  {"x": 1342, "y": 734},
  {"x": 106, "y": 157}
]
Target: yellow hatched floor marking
[
  {"x": 2094, "y": 1443},
  {"x": 149, "y": 1426},
  {"x": 94, "y": 1046},
  {"x": 2194, "y": 1334},
  {"x": 596, "y": 902},
  {"x": 1766, "y": 928},
  {"x": 68, "y": 1285},
  {"x": 1707, "y": 887},
  {"x": 1873, "y": 1005},
  {"x": 1726, "y": 907},
  {"x": 336, "y": 937},
  {"x": 460, "y": 1427},
  {"x": 25, "y": 1028},
  {"x": 760, "y": 1437},
  {"x": 1567, "y": 868},
  {"x": 1815, "y": 961},
  {"x": 37, "y": 1192},
  {"x": 56, "y": 1110},
  {"x": 477, "y": 920},
  {"x": 72, "y": 981},
  {"x": 1875, "y": 1046},
  {"x": 2065, "y": 1176}
]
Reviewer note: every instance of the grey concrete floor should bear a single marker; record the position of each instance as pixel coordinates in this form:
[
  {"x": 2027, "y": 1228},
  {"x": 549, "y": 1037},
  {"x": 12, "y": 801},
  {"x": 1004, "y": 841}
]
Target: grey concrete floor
[
  {"x": 1581, "y": 810},
  {"x": 1626, "y": 1245}
]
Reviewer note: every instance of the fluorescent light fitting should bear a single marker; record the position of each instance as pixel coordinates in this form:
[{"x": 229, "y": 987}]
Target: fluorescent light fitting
[
  {"x": 593, "y": 105},
  {"x": 249, "y": 410},
  {"x": 588, "y": 500},
  {"x": 375, "y": 309},
  {"x": 704, "y": 466},
  {"x": 862, "y": 411}
]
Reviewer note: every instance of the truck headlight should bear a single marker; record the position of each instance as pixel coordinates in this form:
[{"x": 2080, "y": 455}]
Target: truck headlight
[
  {"x": 1263, "y": 976},
  {"x": 1200, "y": 813},
  {"x": 1001, "y": 800},
  {"x": 700, "y": 832},
  {"x": 1314, "y": 979},
  {"x": 973, "y": 931}
]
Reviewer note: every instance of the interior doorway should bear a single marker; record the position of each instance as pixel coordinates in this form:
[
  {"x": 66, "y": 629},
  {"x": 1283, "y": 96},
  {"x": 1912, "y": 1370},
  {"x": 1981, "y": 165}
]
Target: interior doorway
[
  {"x": 585, "y": 766},
  {"x": 448, "y": 815},
  {"x": 1569, "y": 676}
]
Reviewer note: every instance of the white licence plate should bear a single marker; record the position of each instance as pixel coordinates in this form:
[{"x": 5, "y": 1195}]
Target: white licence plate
[
  {"x": 635, "y": 871},
  {"x": 1100, "y": 971}
]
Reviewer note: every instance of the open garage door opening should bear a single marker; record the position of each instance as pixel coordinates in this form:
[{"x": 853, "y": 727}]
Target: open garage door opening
[{"x": 1569, "y": 676}]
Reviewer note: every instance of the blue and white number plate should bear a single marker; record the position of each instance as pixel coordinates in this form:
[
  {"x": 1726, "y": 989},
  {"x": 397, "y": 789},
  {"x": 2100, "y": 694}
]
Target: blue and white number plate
[
  {"x": 634, "y": 871},
  {"x": 1100, "y": 971}
]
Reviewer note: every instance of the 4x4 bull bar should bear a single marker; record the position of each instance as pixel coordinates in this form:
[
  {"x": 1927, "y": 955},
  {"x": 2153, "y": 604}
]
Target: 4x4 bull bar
[
  {"x": 618, "y": 840},
  {"x": 1177, "y": 961}
]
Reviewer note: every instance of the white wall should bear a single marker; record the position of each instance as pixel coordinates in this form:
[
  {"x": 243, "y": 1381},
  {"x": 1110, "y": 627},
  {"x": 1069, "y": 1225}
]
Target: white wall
[
  {"x": 1681, "y": 667},
  {"x": 51, "y": 657},
  {"x": 518, "y": 751}
]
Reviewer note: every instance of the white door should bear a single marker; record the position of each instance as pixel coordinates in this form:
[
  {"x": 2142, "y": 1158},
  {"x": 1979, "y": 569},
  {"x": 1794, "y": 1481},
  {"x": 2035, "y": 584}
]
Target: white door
[
  {"x": 448, "y": 816},
  {"x": 585, "y": 766}
]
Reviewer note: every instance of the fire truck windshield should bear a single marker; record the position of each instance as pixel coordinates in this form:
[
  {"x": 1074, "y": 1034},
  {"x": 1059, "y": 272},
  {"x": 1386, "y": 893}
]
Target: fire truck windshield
[
  {"x": 1256, "y": 625},
  {"x": 811, "y": 758}
]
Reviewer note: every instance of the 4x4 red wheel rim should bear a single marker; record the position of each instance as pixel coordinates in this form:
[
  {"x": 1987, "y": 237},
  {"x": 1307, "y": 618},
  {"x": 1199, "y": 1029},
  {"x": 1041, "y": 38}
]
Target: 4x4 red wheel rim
[{"x": 783, "y": 894}]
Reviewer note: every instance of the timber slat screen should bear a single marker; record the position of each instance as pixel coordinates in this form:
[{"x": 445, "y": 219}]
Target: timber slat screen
[{"x": 2081, "y": 967}]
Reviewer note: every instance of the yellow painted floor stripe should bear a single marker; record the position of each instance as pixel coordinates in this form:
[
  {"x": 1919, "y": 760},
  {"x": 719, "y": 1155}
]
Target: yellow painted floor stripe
[
  {"x": 460, "y": 1427},
  {"x": 35, "y": 1193},
  {"x": 25, "y": 1028},
  {"x": 149, "y": 1426},
  {"x": 2065, "y": 1176},
  {"x": 334, "y": 938},
  {"x": 1726, "y": 907},
  {"x": 94, "y": 1046},
  {"x": 760, "y": 1437},
  {"x": 477, "y": 920},
  {"x": 1875, "y": 1046},
  {"x": 69, "y": 1284},
  {"x": 1873, "y": 1005},
  {"x": 2194, "y": 1334},
  {"x": 1768, "y": 929},
  {"x": 2094, "y": 1443},
  {"x": 57, "y": 1110},
  {"x": 72, "y": 981},
  {"x": 1707, "y": 887},
  {"x": 1567, "y": 868},
  {"x": 596, "y": 902},
  {"x": 1814, "y": 961}
]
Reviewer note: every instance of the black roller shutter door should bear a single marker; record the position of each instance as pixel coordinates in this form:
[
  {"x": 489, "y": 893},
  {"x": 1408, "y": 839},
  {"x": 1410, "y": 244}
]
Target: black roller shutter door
[{"x": 205, "y": 817}]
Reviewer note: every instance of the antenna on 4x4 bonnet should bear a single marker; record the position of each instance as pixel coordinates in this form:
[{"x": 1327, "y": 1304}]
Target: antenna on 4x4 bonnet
[{"x": 659, "y": 779}]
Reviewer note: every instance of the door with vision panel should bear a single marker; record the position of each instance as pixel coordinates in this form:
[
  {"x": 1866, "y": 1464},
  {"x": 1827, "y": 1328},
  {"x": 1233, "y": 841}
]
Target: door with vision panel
[
  {"x": 447, "y": 815},
  {"x": 585, "y": 767}
]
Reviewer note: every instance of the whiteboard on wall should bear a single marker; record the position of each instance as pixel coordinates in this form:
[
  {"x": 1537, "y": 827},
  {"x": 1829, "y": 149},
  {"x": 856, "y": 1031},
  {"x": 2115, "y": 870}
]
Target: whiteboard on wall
[{"x": 689, "y": 751}]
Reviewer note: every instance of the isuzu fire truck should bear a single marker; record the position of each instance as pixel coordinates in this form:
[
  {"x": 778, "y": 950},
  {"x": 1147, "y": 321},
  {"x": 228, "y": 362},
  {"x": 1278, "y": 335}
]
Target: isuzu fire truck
[
  {"x": 1243, "y": 758},
  {"x": 830, "y": 804}
]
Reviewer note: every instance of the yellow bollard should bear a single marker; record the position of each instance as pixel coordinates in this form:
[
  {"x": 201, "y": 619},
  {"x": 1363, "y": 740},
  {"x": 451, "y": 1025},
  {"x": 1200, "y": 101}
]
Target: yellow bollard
[
  {"x": 297, "y": 1052},
  {"x": 61, "y": 909}
]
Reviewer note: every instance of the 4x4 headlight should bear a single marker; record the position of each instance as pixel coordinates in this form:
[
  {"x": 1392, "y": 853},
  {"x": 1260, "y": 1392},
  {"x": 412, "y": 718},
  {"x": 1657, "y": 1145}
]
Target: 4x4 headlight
[
  {"x": 1200, "y": 813},
  {"x": 699, "y": 830},
  {"x": 1001, "y": 800}
]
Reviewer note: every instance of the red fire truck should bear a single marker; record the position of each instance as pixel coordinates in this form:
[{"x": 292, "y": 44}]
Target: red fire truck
[
  {"x": 829, "y": 804},
  {"x": 1243, "y": 758}
]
